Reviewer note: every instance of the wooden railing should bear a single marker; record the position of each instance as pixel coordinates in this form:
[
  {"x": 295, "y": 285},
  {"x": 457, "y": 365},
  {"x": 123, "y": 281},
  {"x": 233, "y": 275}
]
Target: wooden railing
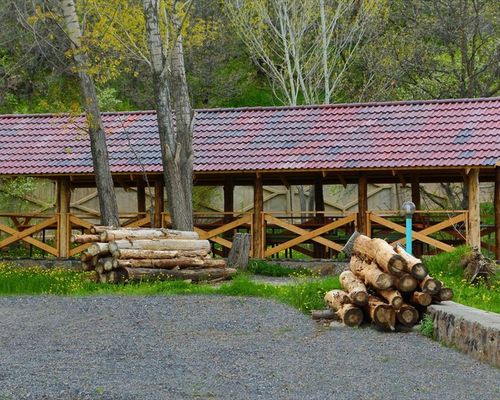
[
  {"x": 439, "y": 229},
  {"x": 30, "y": 229},
  {"x": 285, "y": 231}
]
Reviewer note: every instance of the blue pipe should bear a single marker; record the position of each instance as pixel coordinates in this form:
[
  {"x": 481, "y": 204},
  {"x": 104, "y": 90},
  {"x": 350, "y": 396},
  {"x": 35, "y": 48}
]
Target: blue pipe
[{"x": 408, "y": 234}]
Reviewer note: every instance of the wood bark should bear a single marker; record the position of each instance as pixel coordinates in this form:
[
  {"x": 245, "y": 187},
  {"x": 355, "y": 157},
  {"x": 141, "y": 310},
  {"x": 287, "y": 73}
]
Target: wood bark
[
  {"x": 141, "y": 233},
  {"x": 107, "y": 263},
  {"x": 370, "y": 273},
  {"x": 84, "y": 238},
  {"x": 240, "y": 251},
  {"x": 97, "y": 249},
  {"x": 171, "y": 96},
  {"x": 407, "y": 315},
  {"x": 393, "y": 297},
  {"x": 336, "y": 298},
  {"x": 415, "y": 266},
  {"x": 405, "y": 283},
  {"x": 181, "y": 262},
  {"x": 157, "y": 254},
  {"x": 98, "y": 229},
  {"x": 430, "y": 285},
  {"x": 421, "y": 298},
  {"x": 160, "y": 244},
  {"x": 380, "y": 313},
  {"x": 354, "y": 287},
  {"x": 104, "y": 181}
]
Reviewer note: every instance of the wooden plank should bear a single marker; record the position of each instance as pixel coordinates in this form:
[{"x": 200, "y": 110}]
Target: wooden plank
[
  {"x": 216, "y": 239},
  {"x": 25, "y": 236},
  {"x": 306, "y": 235},
  {"x": 141, "y": 222},
  {"x": 79, "y": 222},
  {"x": 474, "y": 237},
  {"x": 227, "y": 227},
  {"x": 415, "y": 235},
  {"x": 79, "y": 249}
]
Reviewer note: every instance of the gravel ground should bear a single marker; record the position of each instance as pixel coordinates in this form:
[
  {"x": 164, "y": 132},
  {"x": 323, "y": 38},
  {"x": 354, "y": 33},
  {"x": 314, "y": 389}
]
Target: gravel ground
[{"x": 201, "y": 347}]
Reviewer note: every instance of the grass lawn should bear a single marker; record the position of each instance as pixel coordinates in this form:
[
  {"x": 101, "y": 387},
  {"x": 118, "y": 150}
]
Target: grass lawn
[{"x": 305, "y": 294}]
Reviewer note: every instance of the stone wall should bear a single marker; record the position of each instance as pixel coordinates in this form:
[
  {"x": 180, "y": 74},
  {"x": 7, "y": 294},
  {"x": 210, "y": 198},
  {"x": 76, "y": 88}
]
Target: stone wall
[{"x": 472, "y": 331}]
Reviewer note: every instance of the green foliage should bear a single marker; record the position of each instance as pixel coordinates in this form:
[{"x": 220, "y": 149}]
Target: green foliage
[
  {"x": 446, "y": 267},
  {"x": 303, "y": 294},
  {"x": 12, "y": 191},
  {"x": 427, "y": 326},
  {"x": 261, "y": 267}
]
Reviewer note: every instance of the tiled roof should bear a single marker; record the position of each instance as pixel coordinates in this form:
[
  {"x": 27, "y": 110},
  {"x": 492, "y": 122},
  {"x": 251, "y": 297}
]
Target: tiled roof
[{"x": 445, "y": 133}]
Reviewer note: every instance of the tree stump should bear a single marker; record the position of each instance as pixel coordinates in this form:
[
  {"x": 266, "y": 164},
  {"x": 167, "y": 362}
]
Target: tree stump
[{"x": 240, "y": 251}]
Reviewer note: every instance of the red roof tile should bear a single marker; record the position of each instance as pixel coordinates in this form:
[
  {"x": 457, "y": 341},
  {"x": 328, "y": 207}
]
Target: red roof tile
[{"x": 443, "y": 133}]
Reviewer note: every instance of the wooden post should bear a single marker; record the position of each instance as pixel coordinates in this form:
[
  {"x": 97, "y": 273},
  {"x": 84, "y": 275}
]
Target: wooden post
[
  {"x": 228, "y": 208},
  {"x": 63, "y": 208},
  {"x": 159, "y": 204},
  {"x": 474, "y": 238},
  {"x": 258, "y": 207},
  {"x": 141, "y": 196},
  {"x": 319, "y": 202},
  {"x": 418, "y": 248},
  {"x": 362, "y": 204},
  {"x": 496, "y": 205}
]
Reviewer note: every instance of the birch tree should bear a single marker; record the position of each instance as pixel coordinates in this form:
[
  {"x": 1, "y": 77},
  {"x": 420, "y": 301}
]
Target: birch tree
[
  {"x": 100, "y": 158},
  {"x": 164, "y": 23},
  {"x": 303, "y": 46}
]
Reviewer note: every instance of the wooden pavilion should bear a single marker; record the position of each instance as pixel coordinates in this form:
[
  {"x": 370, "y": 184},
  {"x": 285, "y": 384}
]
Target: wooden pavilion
[{"x": 408, "y": 143}]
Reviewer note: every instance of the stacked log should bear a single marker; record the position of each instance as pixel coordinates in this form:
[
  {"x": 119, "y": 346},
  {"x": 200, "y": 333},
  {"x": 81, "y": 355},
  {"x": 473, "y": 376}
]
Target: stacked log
[
  {"x": 140, "y": 254},
  {"x": 385, "y": 284}
]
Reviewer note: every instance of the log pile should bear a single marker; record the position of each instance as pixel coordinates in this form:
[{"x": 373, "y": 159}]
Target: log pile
[
  {"x": 384, "y": 285},
  {"x": 135, "y": 254}
]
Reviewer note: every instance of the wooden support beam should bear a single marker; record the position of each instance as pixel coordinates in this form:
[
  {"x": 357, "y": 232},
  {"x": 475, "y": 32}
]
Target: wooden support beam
[
  {"x": 159, "y": 204},
  {"x": 63, "y": 208},
  {"x": 258, "y": 207},
  {"x": 141, "y": 196},
  {"x": 362, "y": 204},
  {"x": 496, "y": 205},
  {"x": 228, "y": 208},
  {"x": 319, "y": 204},
  {"x": 474, "y": 238}
]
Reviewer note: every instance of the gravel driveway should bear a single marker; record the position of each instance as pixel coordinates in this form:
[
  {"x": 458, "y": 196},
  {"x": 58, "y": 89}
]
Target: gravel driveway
[{"x": 201, "y": 347}]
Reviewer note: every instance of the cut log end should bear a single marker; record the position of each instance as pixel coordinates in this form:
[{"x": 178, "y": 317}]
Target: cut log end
[
  {"x": 421, "y": 298},
  {"x": 359, "y": 298},
  {"x": 430, "y": 285},
  {"x": 351, "y": 315},
  {"x": 397, "y": 265},
  {"x": 418, "y": 271},
  {"x": 444, "y": 294},
  {"x": 407, "y": 315},
  {"x": 406, "y": 283}
]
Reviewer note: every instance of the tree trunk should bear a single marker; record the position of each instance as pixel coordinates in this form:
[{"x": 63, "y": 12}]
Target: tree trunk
[
  {"x": 157, "y": 254},
  {"x": 323, "y": 314},
  {"x": 141, "y": 233},
  {"x": 140, "y": 274},
  {"x": 159, "y": 244},
  {"x": 178, "y": 263},
  {"x": 171, "y": 95},
  {"x": 354, "y": 287},
  {"x": 104, "y": 181},
  {"x": 381, "y": 252},
  {"x": 370, "y": 273},
  {"x": 240, "y": 251}
]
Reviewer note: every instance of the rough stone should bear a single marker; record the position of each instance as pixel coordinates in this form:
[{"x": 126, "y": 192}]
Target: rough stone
[{"x": 474, "y": 332}]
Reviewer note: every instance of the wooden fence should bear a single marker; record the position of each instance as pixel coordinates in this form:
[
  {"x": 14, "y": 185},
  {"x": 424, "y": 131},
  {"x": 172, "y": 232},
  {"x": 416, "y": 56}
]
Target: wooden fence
[{"x": 283, "y": 234}]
